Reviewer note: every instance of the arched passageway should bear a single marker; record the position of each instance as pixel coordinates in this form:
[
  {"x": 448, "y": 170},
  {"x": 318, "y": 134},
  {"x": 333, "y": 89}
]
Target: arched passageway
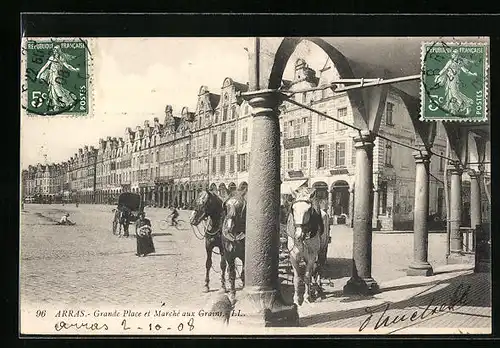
[{"x": 340, "y": 198}]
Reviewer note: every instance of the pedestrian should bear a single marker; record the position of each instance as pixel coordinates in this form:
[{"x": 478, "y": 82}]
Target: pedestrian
[{"x": 143, "y": 232}]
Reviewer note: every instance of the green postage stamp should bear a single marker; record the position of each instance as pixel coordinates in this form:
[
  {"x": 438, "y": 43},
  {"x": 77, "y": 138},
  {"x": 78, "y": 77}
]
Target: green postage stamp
[
  {"x": 57, "y": 77},
  {"x": 454, "y": 82}
]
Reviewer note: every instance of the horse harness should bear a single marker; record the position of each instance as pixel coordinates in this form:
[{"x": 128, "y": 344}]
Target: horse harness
[{"x": 242, "y": 227}]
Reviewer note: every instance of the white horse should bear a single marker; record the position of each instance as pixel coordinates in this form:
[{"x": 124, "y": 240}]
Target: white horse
[{"x": 308, "y": 232}]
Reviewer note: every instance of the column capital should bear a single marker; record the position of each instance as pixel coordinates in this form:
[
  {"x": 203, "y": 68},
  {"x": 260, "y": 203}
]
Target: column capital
[
  {"x": 264, "y": 102},
  {"x": 364, "y": 138},
  {"x": 422, "y": 156},
  {"x": 474, "y": 174},
  {"x": 456, "y": 170}
]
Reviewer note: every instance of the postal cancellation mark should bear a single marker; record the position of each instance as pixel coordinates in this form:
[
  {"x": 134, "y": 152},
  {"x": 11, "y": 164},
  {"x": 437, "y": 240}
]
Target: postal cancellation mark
[
  {"x": 56, "y": 77},
  {"x": 454, "y": 78}
]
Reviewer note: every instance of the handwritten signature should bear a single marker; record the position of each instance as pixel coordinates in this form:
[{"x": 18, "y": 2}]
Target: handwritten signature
[{"x": 457, "y": 299}]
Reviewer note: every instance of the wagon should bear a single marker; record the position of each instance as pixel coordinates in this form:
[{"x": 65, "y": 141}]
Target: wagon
[{"x": 130, "y": 203}]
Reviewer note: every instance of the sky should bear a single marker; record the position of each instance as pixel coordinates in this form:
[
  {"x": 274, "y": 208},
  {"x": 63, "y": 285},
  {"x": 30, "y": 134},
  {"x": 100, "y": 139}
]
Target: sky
[{"x": 134, "y": 79}]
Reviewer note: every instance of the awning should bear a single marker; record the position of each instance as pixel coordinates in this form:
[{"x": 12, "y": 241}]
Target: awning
[{"x": 287, "y": 187}]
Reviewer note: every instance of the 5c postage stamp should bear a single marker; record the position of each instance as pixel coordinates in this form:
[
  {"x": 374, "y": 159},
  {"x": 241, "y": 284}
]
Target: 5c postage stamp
[
  {"x": 454, "y": 81},
  {"x": 57, "y": 77}
]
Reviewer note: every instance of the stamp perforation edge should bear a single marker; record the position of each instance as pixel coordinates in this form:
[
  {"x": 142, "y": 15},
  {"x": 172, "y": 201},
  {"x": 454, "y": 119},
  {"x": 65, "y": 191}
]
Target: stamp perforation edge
[
  {"x": 486, "y": 46},
  {"x": 90, "y": 56}
]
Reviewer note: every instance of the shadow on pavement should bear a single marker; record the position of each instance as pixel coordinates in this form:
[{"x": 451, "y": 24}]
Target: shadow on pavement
[
  {"x": 464, "y": 290},
  {"x": 154, "y": 255},
  {"x": 336, "y": 268},
  {"x": 161, "y": 234}
]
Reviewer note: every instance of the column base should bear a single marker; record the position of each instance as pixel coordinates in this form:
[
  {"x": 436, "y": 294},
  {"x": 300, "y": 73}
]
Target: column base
[
  {"x": 420, "y": 269},
  {"x": 263, "y": 308},
  {"x": 459, "y": 257},
  {"x": 482, "y": 267},
  {"x": 361, "y": 286}
]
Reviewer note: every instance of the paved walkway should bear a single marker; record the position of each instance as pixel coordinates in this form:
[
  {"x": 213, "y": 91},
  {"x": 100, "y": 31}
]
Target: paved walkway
[
  {"x": 454, "y": 298},
  {"x": 87, "y": 264}
]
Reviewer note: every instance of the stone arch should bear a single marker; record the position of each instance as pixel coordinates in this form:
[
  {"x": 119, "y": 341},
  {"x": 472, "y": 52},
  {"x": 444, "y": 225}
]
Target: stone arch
[
  {"x": 231, "y": 187},
  {"x": 223, "y": 192},
  {"x": 321, "y": 188},
  {"x": 344, "y": 69},
  {"x": 243, "y": 186},
  {"x": 340, "y": 198}
]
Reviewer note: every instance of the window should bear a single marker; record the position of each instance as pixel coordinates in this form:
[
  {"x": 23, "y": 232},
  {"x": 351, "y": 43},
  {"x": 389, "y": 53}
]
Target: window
[
  {"x": 388, "y": 154},
  {"x": 244, "y": 136},
  {"x": 243, "y": 162},
  {"x": 223, "y": 139},
  {"x": 224, "y": 114},
  {"x": 205, "y": 141},
  {"x": 322, "y": 124},
  {"x": 216, "y": 117},
  {"x": 388, "y": 114},
  {"x": 199, "y": 119},
  {"x": 296, "y": 129},
  {"x": 231, "y": 163},
  {"x": 383, "y": 197},
  {"x": 285, "y": 130},
  {"x": 232, "y": 138},
  {"x": 303, "y": 97},
  {"x": 246, "y": 109},
  {"x": 321, "y": 155},
  {"x": 342, "y": 116},
  {"x": 441, "y": 162},
  {"x": 233, "y": 112},
  {"x": 222, "y": 164},
  {"x": 289, "y": 159},
  {"x": 304, "y": 128},
  {"x": 303, "y": 157},
  {"x": 340, "y": 154},
  {"x": 214, "y": 165},
  {"x": 214, "y": 141}
]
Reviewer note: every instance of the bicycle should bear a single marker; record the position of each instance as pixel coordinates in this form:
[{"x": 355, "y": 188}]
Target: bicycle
[{"x": 166, "y": 224}]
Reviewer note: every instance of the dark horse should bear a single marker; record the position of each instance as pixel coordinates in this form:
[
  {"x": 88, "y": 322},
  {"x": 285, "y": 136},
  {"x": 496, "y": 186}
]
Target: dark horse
[
  {"x": 208, "y": 206},
  {"x": 233, "y": 236}
]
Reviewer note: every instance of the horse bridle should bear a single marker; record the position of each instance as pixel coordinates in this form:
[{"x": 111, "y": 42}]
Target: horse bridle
[
  {"x": 307, "y": 234},
  {"x": 206, "y": 227}
]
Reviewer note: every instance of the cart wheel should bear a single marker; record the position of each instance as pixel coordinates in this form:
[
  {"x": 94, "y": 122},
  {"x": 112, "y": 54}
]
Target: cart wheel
[
  {"x": 115, "y": 225},
  {"x": 164, "y": 225}
]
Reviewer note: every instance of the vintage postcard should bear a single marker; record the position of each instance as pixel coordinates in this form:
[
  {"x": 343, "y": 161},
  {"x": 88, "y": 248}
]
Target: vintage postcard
[{"x": 277, "y": 185}]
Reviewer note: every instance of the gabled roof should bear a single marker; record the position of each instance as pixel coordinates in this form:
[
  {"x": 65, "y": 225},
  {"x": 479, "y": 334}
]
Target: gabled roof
[{"x": 214, "y": 100}]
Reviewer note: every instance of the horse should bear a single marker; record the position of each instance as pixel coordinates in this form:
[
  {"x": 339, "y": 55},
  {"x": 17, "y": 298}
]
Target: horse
[
  {"x": 307, "y": 231},
  {"x": 233, "y": 236},
  {"x": 209, "y": 206}
]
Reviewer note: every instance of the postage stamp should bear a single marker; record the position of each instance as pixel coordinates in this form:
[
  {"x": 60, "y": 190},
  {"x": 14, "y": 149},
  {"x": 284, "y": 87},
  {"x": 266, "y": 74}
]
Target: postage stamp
[
  {"x": 56, "y": 77},
  {"x": 454, "y": 81}
]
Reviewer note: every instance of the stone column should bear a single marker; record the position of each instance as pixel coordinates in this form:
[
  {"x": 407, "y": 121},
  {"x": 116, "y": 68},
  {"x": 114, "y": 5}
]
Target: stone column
[
  {"x": 475, "y": 198},
  {"x": 375, "y": 208},
  {"x": 420, "y": 266},
  {"x": 361, "y": 281},
  {"x": 262, "y": 298},
  {"x": 455, "y": 209}
]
